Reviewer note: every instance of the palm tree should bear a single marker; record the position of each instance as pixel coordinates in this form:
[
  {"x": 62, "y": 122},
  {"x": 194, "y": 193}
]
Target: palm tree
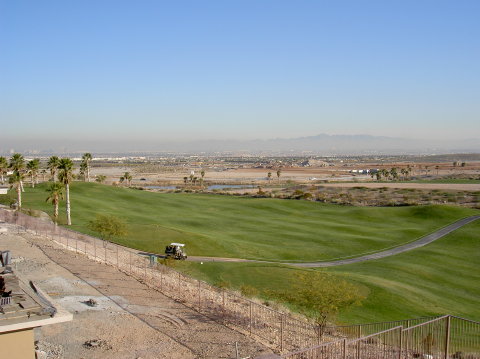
[
  {"x": 126, "y": 177},
  {"x": 17, "y": 164},
  {"x": 279, "y": 172},
  {"x": 52, "y": 165},
  {"x": 269, "y": 175},
  {"x": 32, "y": 167},
  {"x": 86, "y": 158},
  {"x": 202, "y": 173},
  {"x": 66, "y": 176},
  {"x": 43, "y": 172},
  {"x": 3, "y": 168},
  {"x": 394, "y": 173},
  {"x": 15, "y": 181},
  {"x": 385, "y": 173},
  {"x": 56, "y": 191},
  {"x": 101, "y": 178}
]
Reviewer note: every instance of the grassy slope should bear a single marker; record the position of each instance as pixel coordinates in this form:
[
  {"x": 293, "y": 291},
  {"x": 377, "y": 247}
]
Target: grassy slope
[
  {"x": 442, "y": 277},
  {"x": 248, "y": 227},
  {"x": 437, "y": 279}
]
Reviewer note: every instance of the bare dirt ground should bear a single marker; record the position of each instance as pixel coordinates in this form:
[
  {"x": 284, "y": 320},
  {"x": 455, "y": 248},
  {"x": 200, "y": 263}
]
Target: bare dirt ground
[
  {"x": 258, "y": 176},
  {"x": 440, "y": 186},
  {"x": 130, "y": 319}
]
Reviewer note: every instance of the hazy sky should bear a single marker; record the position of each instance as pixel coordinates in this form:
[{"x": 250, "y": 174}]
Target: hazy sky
[{"x": 172, "y": 70}]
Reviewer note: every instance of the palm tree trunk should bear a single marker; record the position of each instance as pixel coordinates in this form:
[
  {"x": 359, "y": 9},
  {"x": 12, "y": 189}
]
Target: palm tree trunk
[
  {"x": 19, "y": 197},
  {"x": 67, "y": 190},
  {"x": 33, "y": 182},
  {"x": 21, "y": 186},
  {"x": 55, "y": 211},
  {"x": 88, "y": 173}
]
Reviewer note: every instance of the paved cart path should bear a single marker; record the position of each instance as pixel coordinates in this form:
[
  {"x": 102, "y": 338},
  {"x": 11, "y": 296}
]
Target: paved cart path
[{"x": 387, "y": 253}]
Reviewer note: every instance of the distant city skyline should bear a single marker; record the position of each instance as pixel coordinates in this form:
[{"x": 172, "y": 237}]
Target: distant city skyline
[{"x": 154, "y": 71}]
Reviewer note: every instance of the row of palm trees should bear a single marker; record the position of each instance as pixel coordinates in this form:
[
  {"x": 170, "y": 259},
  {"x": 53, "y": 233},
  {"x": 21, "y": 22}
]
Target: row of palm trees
[
  {"x": 60, "y": 168},
  {"x": 392, "y": 174}
]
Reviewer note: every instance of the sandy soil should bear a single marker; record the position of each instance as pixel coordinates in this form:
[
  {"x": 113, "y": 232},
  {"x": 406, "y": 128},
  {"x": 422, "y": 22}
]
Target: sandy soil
[{"x": 130, "y": 319}]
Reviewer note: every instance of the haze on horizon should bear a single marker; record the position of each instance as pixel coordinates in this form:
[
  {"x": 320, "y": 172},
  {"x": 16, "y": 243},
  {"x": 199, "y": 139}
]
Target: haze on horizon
[{"x": 151, "y": 71}]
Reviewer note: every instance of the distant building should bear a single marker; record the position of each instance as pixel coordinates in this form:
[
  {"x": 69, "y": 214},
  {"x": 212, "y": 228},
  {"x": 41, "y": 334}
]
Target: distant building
[{"x": 314, "y": 163}]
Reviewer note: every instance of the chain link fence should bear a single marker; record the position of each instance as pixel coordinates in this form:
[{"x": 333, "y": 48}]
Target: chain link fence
[{"x": 440, "y": 338}]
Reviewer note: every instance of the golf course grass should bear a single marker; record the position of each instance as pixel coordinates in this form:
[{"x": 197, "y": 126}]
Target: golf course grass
[
  {"x": 439, "y": 278},
  {"x": 252, "y": 228}
]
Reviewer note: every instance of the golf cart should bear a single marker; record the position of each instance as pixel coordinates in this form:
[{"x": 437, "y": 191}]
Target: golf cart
[{"x": 176, "y": 251}]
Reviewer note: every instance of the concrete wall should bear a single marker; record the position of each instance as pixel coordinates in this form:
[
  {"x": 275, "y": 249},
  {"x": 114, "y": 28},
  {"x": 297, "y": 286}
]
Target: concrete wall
[{"x": 17, "y": 345}]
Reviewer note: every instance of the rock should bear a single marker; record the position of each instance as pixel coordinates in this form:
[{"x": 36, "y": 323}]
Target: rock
[
  {"x": 91, "y": 302},
  {"x": 97, "y": 343}
]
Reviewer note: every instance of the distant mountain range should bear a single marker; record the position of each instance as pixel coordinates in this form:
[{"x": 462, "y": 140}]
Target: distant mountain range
[
  {"x": 333, "y": 144},
  {"x": 321, "y": 144}
]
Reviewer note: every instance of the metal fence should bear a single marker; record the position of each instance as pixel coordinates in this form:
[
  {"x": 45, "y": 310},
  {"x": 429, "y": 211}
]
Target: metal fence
[
  {"x": 280, "y": 331},
  {"x": 440, "y": 338}
]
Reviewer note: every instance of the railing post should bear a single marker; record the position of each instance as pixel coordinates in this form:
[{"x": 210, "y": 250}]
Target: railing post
[
  {"x": 344, "y": 348},
  {"x": 447, "y": 337}
]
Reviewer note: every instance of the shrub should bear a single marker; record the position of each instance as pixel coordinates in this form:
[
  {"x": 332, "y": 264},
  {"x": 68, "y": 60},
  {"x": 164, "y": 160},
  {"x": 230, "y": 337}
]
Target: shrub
[{"x": 248, "y": 291}]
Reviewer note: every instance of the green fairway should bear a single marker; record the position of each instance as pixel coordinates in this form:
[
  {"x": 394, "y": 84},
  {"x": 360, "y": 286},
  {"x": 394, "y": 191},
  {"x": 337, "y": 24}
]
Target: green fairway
[
  {"x": 269, "y": 229},
  {"x": 440, "y": 278}
]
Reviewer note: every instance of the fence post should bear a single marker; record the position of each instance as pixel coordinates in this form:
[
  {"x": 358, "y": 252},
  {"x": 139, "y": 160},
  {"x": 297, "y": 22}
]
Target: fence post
[
  {"x": 345, "y": 348},
  {"x": 199, "y": 301},
  {"x": 178, "y": 286},
  {"x": 282, "y": 325},
  {"x": 251, "y": 319},
  {"x": 447, "y": 337},
  {"x": 223, "y": 305},
  {"x": 161, "y": 279},
  {"x": 359, "y": 333},
  {"x": 400, "y": 343}
]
